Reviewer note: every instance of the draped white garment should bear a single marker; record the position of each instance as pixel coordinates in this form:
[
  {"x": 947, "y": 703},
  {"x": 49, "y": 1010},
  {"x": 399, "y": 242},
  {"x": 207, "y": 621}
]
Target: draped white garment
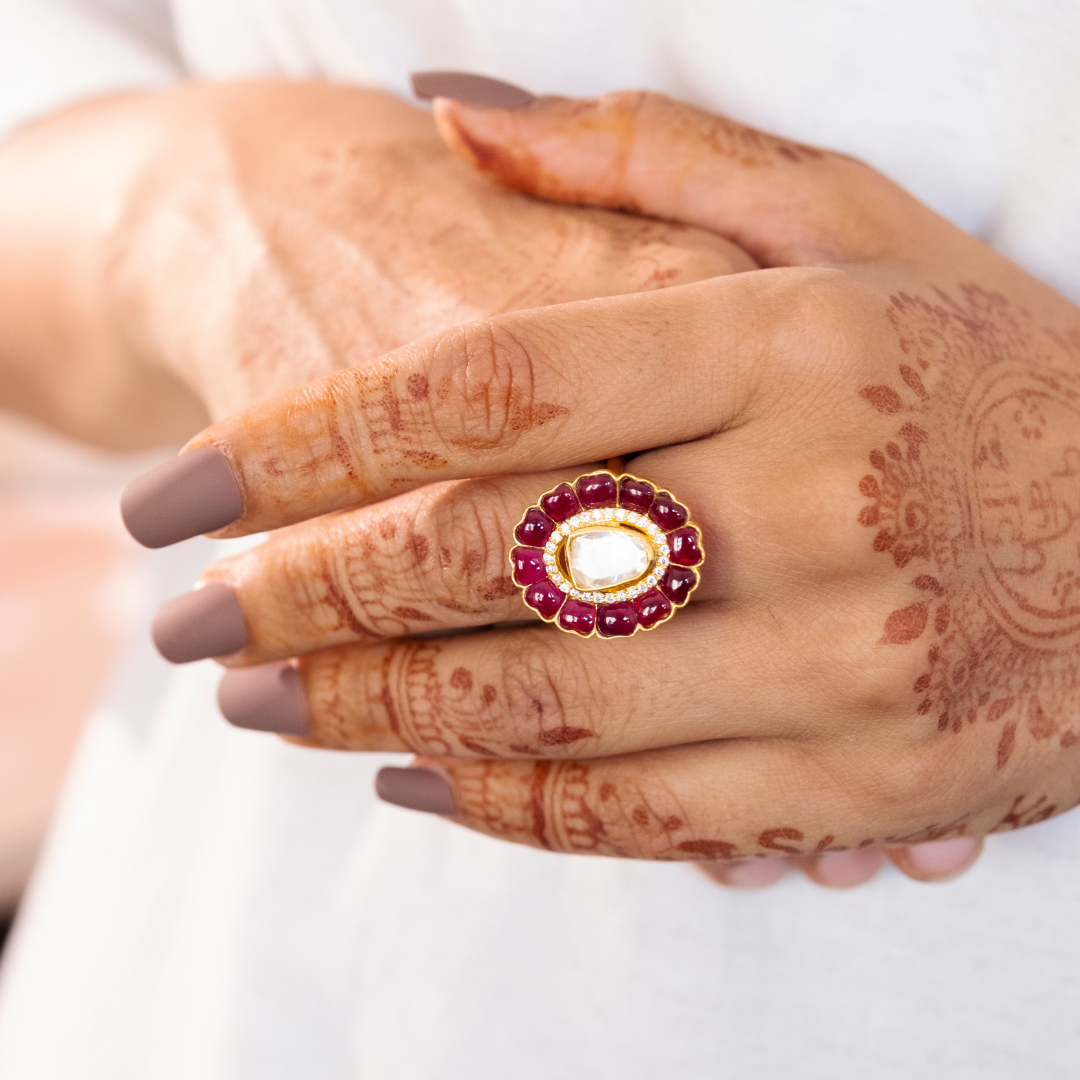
[{"x": 217, "y": 905}]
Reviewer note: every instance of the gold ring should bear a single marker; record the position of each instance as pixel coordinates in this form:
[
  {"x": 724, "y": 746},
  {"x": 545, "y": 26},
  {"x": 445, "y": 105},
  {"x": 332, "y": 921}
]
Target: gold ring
[{"x": 606, "y": 555}]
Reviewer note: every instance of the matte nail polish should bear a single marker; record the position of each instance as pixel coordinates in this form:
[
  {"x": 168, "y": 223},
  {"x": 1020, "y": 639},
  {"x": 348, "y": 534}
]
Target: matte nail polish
[
  {"x": 415, "y": 789},
  {"x": 470, "y": 89},
  {"x": 264, "y": 698},
  {"x": 205, "y": 622},
  {"x": 194, "y": 493}
]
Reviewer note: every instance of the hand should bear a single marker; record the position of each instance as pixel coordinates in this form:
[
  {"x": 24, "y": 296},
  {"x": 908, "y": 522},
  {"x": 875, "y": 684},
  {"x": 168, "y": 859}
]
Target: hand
[
  {"x": 877, "y": 435},
  {"x": 174, "y": 255}
]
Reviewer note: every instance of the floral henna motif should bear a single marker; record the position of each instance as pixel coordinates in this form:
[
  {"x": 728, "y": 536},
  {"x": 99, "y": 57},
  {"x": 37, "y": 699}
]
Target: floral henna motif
[{"x": 978, "y": 497}]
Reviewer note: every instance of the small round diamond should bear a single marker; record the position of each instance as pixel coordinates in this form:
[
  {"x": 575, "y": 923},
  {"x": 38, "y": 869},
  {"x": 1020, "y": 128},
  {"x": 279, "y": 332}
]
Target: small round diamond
[
  {"x": 550, "y": 545},
  {"x": 662, "y": 561},
  {"x": 575, "y": 594},
  {"x": 609, "y": 514},
  {"x": 621, "y": 595},
  {"x": 620, "y": 514},
  {"x": 565, "y": 586},
  {"x": 664, "y": 549},
  {"x": 548, "y": 558},
  {"x": 633, "y": 518},
  {"x": 575, "y": 521},
  {"x": 564, "y": 528},
  {"x": 650, "y": 580}
]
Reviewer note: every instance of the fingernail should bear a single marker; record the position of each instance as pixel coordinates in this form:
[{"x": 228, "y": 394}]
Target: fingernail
[
  {"x": 943, "y": 858},
  {"x": 206, "y": 622},
  {"x": 264, "y": 698},
  {"x": 845, "y": 869},
  {"x": 749, "y": 874},
  {"x": 415, "y": 789},
  {"x": 194, "y": 493},
  {"x": 470, "y": 89}
]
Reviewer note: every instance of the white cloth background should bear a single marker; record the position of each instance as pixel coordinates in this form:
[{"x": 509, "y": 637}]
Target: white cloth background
[{"x": 217, "y": 904}]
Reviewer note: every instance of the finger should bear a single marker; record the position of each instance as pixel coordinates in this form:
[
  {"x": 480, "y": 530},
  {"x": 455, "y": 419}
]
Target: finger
[
  {"x": 737, "y": 799},
  {"x": 436, "y": 558},
  {"x": 534, "y": 693},
  {"x": 520, "y": 393},
  {"x": 843, "y": 869},
  {"x": 937, "y": 860},
  {"x": 785, "y": 203},
  {"x": 433, "y": 559},
  {"x": 747, "y": 873}
]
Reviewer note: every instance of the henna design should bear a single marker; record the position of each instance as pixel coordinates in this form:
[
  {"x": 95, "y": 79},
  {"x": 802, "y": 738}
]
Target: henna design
[{"x": 985, "y": 512}]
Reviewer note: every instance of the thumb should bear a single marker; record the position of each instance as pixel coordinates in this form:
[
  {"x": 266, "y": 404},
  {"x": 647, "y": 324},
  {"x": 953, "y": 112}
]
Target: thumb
[{"x": 784, "y": 203}]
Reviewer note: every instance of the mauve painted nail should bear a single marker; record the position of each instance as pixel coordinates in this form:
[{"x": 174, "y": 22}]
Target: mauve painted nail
[
  {"x": 264, "y": 698},
  {"x": 206, "y": 622},
  {"x": 470, "y": 89},
  {"x": 415, "y": 789},
  {"x": 194, "y": 493}
]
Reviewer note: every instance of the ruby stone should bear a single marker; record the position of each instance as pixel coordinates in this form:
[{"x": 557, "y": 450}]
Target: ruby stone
[
  {"x": 545, "y": 598},
  {"x": 528, "y": 565},
  {"x": 685, "y": 547},
  {"x": 561, "y": 503},
  {"x": 535, "y": 528},
  {"x": 677, "y": 583},
  {"x": 652, "y": 607},
  {"x": 576, "y": 616},
  {"x": 667, "y": 513},
  {"x": 599, "y": 489},
  {"x": 635, "y": 494},
  {"x": 616, "y": 620}
]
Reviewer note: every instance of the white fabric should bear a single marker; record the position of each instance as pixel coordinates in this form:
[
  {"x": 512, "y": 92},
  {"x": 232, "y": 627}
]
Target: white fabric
[{"x": 217, "y": 904}]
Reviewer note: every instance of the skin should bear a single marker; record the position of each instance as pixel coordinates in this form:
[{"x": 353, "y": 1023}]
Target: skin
[
  {"x": 182, "y": 255},
  {"x": 171, "y": 258},
  {"x": 876, "y": 432}
]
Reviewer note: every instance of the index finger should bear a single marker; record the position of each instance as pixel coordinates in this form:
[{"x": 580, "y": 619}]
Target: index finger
[{"x": 534, "y": 390}]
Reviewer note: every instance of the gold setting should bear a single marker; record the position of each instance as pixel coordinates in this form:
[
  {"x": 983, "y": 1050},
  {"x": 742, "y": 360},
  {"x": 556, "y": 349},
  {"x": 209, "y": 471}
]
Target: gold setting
[{"x": 611, "y": 617}]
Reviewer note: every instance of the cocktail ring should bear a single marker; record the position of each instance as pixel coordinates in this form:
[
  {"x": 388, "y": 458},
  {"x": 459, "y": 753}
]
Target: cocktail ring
[{"x": 607, "y": 555}]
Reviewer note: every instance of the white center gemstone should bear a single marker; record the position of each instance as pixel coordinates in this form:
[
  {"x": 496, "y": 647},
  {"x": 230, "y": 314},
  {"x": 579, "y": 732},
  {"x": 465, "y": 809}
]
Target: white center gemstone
[{"x": 600, "y": 558}]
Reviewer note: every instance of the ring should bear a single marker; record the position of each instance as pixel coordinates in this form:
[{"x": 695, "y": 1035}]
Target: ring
[{"x": 607, "y": 555}]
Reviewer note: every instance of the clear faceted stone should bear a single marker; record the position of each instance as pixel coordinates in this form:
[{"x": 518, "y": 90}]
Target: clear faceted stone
[
  {"x": 602, "y": 557},
  {"x": 564, "y": 586}
]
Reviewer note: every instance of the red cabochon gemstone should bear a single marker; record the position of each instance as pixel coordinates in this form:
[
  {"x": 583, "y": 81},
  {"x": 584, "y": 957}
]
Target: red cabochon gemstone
[
  {"x": 685, "y": 547},
  {"x": 677, "y": 583},
  {"x": 616, "y": 620},
  {"x": 599, "y": 489},
  {"x": 535, "y": 528},
  {"x": 576, "y": 616},
  {"x": 667, "y": 513},
  {"x": 545, "y": 598},
  {"x": 652, "y": 607},
  {"x": 528, "y": 565},
  {"x": 561, "y": 503},
  {"x": 635, "y": 494}
]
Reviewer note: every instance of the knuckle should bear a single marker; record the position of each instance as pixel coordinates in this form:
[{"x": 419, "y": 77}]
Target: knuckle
[
  {"x": 486, "y": 379},
  {"x": 547, "y": 699},
  {"x": 469, "y": 524}
]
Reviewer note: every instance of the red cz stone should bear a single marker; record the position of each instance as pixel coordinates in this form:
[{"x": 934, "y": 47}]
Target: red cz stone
[
  {"x": 651, "y": 608},
  {"x": 528, "y": 565},
  {"x": 561, "y": 503},
  {"x": 677, "y": 583},
  {"x": 667, "y": 513},
  {"x": 545, "y": 598},
  {"x": 616, "y": 620},
  {"x": 597, "y": 490},
  {"x": 685, "y": 547},
  {"x": 576, "y": 616},
  {"x": 635, "y": 494},
  {"x": 535, "y": 528}
]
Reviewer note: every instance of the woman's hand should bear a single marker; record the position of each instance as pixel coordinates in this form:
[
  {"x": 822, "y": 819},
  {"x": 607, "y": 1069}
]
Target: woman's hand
[
  {"x": 169, "y": 256},
  {"x": 878, "y": 435}
]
